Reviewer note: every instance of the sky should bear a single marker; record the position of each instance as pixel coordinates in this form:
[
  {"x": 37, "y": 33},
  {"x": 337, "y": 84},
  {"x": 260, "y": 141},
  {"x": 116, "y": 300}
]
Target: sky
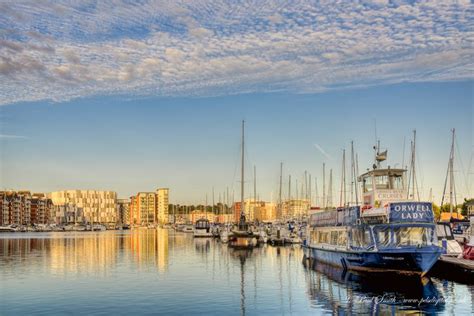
[{"x": 131, "y": 97}]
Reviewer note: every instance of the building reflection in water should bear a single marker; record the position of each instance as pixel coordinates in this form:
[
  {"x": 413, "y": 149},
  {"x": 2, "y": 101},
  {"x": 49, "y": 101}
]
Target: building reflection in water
[
  {"x": 353, "y": 293},
  {"x": 150, "y": 248},
  {"x": 84, "y": 252}
]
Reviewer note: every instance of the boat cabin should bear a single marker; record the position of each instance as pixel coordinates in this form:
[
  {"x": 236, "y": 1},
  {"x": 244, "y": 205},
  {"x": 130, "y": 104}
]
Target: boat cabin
[
  {"x": 203, "y": 224},
  {"x": 381, "y": 186}
]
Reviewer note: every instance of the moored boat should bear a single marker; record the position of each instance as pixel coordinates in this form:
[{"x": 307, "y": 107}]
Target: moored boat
[
  {"x": 202, "y": 228},
  {"x": 387, "y": 234}
]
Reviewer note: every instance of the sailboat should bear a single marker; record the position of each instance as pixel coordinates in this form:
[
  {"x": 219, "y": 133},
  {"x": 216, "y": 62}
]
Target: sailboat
[{"x": 242, "y": 236}]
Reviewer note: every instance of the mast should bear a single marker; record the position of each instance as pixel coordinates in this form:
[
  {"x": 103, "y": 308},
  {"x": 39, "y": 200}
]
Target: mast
[
  {"x": 306, "y": 184},
  {"x": 254, "y": 183},
  {"x": 289, "y": 187},
  {"x": 412, "y": 178},
  {"x": 356, "y": 173},
  {"x": 342, "y": 195},
  {"x": 329, "y": 203},
  {"x": 316, "y": 191},
  {"x": 324, "y": 185},
  {"x": 279, "y": 194},
  {"x": 242, "y": 206},
  {"x": 450, "y": 175},
  {"x": 309, "y": 188}
]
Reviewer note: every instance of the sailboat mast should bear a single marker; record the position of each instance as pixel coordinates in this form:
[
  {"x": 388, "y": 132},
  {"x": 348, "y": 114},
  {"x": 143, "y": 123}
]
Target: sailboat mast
[
  {"x": 242, "y": 210},
  {"x": 279, "y": 193},
  {"x": 254, "y": 183},
  {"x": 451, "y": 176},
  {"x": 309, "y": 189},
  {"x": 324, "y": 185},
  {"x": 289, "y": 187}
]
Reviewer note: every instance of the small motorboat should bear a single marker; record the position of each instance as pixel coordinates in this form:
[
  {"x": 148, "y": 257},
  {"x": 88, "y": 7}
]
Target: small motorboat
[{"x": 202, "y": 228}]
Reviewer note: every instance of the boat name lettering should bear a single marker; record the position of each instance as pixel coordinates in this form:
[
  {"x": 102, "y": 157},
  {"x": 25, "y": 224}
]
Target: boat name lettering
[{"x": 411, "y": 212}]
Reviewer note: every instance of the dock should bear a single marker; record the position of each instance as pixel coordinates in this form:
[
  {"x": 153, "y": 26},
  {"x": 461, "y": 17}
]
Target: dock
[{"x": 458, "y": 269}]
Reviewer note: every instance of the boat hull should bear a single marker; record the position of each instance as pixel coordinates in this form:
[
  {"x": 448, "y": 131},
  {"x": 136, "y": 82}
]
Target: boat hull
[{"x": 403, "y": 261}]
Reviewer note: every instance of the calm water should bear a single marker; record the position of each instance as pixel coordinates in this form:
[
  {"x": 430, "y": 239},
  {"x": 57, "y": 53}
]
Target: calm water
[{"x": 163, "y": 272}]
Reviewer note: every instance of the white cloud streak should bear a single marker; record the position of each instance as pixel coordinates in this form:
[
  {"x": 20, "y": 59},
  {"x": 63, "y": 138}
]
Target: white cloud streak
[
  {"x": 322, "y": 151},
  {"x": 4, "y": 136},
  {"x": 51, "y": 51}
]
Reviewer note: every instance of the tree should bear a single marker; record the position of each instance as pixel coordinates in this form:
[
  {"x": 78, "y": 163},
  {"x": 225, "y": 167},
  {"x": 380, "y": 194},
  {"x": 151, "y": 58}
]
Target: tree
[
  {"x": 464, "y": 206},
  {"x": 437, "y": 212}
]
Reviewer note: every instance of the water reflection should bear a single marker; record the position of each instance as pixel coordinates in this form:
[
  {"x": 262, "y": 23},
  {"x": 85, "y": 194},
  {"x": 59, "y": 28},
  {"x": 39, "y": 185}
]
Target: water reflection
[
  {"x": 149, "y": 248},
  {"x": 241, "y": 255},
  {"x": 348, "y": 292},
  {"x": 171, "y": 273}
]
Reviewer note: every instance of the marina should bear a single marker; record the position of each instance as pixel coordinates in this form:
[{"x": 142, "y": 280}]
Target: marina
[{"x": 173, "y": 273}]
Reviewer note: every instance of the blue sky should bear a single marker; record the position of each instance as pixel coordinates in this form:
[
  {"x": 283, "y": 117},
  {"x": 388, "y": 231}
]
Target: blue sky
[
  {"x": 130, "y": 97},
  {"x": 192, "y": 144}
]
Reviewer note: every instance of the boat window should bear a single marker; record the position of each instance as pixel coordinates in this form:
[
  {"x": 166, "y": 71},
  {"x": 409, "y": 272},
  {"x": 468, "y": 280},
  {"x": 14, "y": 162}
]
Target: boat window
[
  {"x": 381, "y": 182},
  {"x": 361, "y": 238},
  {"x": 334, "y": 237},
  {"x": 413, "y": 236},
  {"x": 396, "y": 182},
  {"x": 342, "y": 238},
  {"x": 314, "y": 237},
  {"x": 367, "y": 184},
  {"x": 383, "y": 236},
  {"x": 441, "y": 231},
  {"x": 323, "y": 237}
]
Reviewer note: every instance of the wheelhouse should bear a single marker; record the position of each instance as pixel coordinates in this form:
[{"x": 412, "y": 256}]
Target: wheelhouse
[
  {"x": 380, "y": 186},
  {"x": 202, "y": 224}
]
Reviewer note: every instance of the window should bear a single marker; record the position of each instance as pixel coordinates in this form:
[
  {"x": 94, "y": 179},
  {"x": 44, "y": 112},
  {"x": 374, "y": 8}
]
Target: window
[
  {"x": 396, "y": 182},
  {"x": 367, "y": 184},
  {"x": 381, "y": 182},
  {"x": 334, "y": 238},
  {"x": 342, "y": 238},
  {"x": 413, "y": 236},
  {"x": 383, "y": 236},
  {"x": 361, "y": 238}
]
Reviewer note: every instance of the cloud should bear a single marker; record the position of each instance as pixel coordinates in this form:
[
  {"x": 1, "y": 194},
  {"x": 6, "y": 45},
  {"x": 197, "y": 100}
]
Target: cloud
[
  {"x": 60, "y": 52},
  {"x": 4, "y": 136},
  {"x": 322, "y": 151}
]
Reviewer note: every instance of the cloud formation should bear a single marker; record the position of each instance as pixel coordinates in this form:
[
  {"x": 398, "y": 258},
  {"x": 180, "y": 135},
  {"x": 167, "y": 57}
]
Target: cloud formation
[{"x": 54, "y": 51}]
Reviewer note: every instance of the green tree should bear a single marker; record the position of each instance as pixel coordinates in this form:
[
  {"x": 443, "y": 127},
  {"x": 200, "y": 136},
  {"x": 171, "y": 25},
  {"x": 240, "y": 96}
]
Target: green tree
[{"x": 437, "y": 212}]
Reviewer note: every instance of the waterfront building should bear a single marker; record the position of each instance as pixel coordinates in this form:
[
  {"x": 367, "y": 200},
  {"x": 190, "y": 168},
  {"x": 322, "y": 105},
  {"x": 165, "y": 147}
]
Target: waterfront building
[
  {"x": 145, "y": 204},
  {"x": 223, "y": 218},
  {"x": 123, "y": 211},
  {"x": 162, "y": 198},
  {"x": 256, "y": 211},
  {"x": 41, "y": 209},
  {"x": 150, "y": 207},
  {"x": 267, "y": 212},
  {"x": 15, "y": 208},
  {"x": 96, "y": 206},
  {"x": 68, "y": 214},
  {"x": 134, "y": 219},
  {"x": 201, "y": 214},
  {"x": 295, "y": 209}
]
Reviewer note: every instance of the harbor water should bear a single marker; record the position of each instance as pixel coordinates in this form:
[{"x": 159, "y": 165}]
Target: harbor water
[{"x": 149, "y": 271}]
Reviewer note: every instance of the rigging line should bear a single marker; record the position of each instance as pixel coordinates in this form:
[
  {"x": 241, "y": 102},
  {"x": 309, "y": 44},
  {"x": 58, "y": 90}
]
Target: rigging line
[{"x": 463, "y": 171}]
